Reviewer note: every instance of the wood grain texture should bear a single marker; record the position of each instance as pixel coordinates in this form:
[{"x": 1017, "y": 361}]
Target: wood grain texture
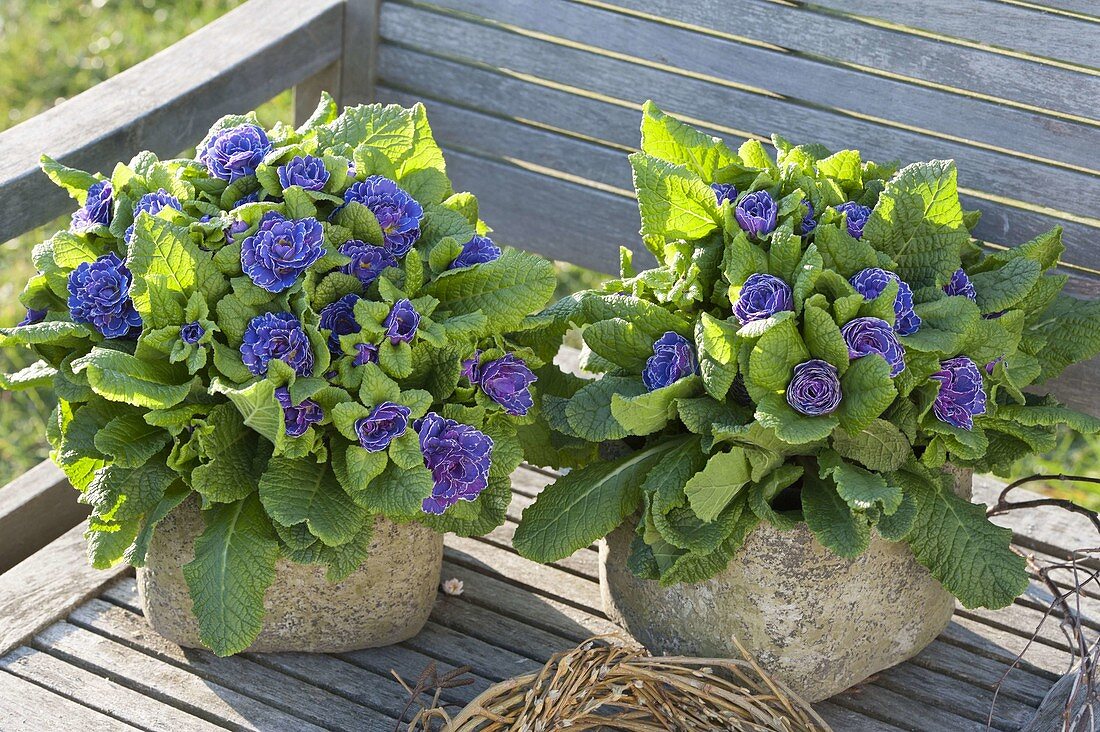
[
  {"x": 307, "y": 93},
  {"x": 45, "y": 586},
  {"x": 167, "y": 102},
  {"x": 24, "y": 705},
  {"x": 36, "y": 508},
  {"x": 359, "y": 60}
]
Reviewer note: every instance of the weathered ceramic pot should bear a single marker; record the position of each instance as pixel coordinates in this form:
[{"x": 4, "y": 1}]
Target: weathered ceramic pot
[
  {"x": 387, "y": 600},
  {"x": 816, "y": 621}
]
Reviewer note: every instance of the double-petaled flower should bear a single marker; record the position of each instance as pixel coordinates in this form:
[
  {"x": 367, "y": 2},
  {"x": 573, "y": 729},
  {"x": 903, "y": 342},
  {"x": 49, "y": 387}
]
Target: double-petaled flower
[
  {"x": 402, "y": 322},
  {"x": 281, "y": 250},
  {"x": 99, "y": 294},
  {"x": 235, "y": 152},
  {"x": 398, "y": 213},
  {"x": 298, "y": 417},
  {"x": 815, "y": 388},
  {"x": 367, "y": 260},
  {"x": 872, "y": 281},
  {"x": 276, "y": 336},
  {"x": 383, "y": 425},
  {"x": 756, "y": 213},
  {"x": 961, "y": 396},
  {"x": 960, "y": 285},
  {"x": 507, "y": 381},
  {"x": 479, "y": 250},
  {"x": 307, "y": 171},
  {"x": 761, "y": 296},
  {"x": 339, "y": 319},
  {"x": 855, "y": 217},
  {"x": 458, "y": 457},
  {"x": 96, "y": 210},
  {"x": 673, "y": 358},
  {"x": 867, "y": 336}
]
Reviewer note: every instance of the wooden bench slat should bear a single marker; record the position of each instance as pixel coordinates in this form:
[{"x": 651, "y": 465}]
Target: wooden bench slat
[
  {"x": 101, "y": 694},
  {"x": 29, "y": 706},
  {"x": 982, "y": 671},
  {"x": 36, "y": 508},
  {"x": 886, "y": 705}
]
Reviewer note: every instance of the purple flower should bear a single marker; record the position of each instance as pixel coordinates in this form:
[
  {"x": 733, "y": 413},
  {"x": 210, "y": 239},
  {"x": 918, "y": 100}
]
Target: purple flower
[
  {"x": 478, "y": 250},
  {"x": 471, "y": 367},
  {"x": 99, "y": 294},
  {"x": 235, "y": 229},
  {"x": 386, "y": 422},
  {"x": 281, "y": 250},
  {"x": 192, "y": 333},
  {"x": 252, "y": 197},
  {"x": 235, "y": 152},
  {"x": 993, "y": 364},
  {"x": 402, "y": 322},
  {"x": 724, "y": 192},
  {"x": 33, "y": 316},
  {"x": 673, "y": 358},
  {"x": 761, "y": 296},
  {"x": 808, "y": 221},
  {"x": 855, "y": 216},
  {"x": 458, "y": 457},
  {"x": 279, "y": 336},
  {"x": 756, "y": 213},
  {"x": 367, "y": 260},
  {"x": 872, "y": 281},
  {"x": 960, "y": 285},
  {"x": 152, "y": 204},
  {"x": 866, "y": 336},
  {"x": 961, "y": 397},
  {"x": 815, "y": 388},
  {"x": 339, "y": 319},
  {"x": 299, "y": 417},
  {"x": 507, "y": 381},
  {"x": 309, "y": 172},
  {"x": 365, "y": 353},
  {"x": 397, "y": 212},
  {"x": 96, "y": 210}
]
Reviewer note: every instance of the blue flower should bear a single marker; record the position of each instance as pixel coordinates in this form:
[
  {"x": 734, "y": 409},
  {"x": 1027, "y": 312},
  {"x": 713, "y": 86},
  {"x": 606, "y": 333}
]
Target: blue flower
[
  {"x": 756, "y": 213},
  {"x": 386, "y": 422},
  {"x": 397, "y": 212},
  {"x": 815, "y": 388},
  {"x": 234, "y": 230},
  {"x": 367, "y": 260},
  {"x": 298, "y": 417},
  {"x": 309, "y": 172},
  {"x": 365, "y": 353},
  {"x": 96, "y": 210},
  {"x": 235, "y": 152},
  {"x": 809, "y": 223},
  {"x": 872, "y": 281},
  {"x": 479, "y": 250},
  {"x": 724, "y": 192},
  {"x": 961, "y": 396},
  {"x": 33, "y": 316},
  {"x": 339, "y": 319},
  {"x": 152, "y": 204},
  {"x": 471, "y": 367},
  {"x": 960, "y": 285},
  {"x": 507, "y": 381},
  {"x": 855, "y": 217},
  {"x": 192, "y": 333},
  {"x": 458, "y": 457},
  {"x": 673, "y": 358},
  {"x": 866, "y": 336},
  {"x": 402, "y": 322},
  {"x": 279, "y": 336},
  {"x": 281, "y": 250},
  {"x": 99, "y": 294},
  {"x": 762, "y": 296}
]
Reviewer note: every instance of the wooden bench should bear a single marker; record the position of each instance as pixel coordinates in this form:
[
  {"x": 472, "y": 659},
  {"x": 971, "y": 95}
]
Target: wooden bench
[{"x": 536, "y": 105}]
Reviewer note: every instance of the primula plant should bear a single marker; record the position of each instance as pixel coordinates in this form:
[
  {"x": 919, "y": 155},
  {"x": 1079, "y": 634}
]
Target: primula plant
[
  {"x": 301, "y": 328},
  {"x": 820, "y": 341}
]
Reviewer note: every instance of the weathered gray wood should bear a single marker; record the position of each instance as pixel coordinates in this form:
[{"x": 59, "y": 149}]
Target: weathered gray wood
[
  {"x": 802, "y": 30},
  {"x": 1086, "y": 8},
  {"x": 36, "y": 508},
  {"x": 45, "y": 586},
  {"x": 981, "y": 671},
  {"x": 24, "y": 705},
  {"x": 1052, "y": 713},
  {"x": 101, "y": 694},
  {"x": 760, "y": 114},
  {"x": 359, "y": 60},
  {"x": 845, "y": 720},
  {"x": 169, "y": 683},
  {"x": 1005, "y": 645},
  {"x": 798, "y": 78},
  {"x": 308, "y": 92},
  {"x": 242, "y": 674},
  {"x": 886, "y": 705},
  {"x": 166, "y": 103},
  {"x": 1023, "y": 30},
  {"x": 1049, "y": 529}
]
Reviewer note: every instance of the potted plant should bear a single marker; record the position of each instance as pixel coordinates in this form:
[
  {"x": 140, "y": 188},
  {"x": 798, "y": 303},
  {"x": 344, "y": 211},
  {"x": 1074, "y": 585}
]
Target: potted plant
[
  {"x": 281, "y": 375},
  {"x": 799, "y": 392}
]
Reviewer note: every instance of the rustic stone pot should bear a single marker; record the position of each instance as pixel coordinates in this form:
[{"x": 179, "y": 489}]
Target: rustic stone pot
[
  {"x": 387, "y": 600},
  {"x": 816, "y": 621}
]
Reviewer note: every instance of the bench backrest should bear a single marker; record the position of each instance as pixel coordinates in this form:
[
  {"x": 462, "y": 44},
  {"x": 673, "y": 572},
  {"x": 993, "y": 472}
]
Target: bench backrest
[{"x": 537, "y": 102}]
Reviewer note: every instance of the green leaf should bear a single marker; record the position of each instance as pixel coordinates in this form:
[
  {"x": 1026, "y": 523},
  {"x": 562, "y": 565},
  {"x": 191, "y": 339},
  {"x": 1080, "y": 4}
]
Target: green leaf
[
  {"x": 861, "y": 490},
  {"x": 130, "y": 441},
  {"x": 999, "y": 289},
  {"x": 121, "y": 377},
  {"x": 823, "y": 338},
  {"x": 775, "y": 355},
  {"x": 963, "y": 550},
  {"x": 300, "y": 490},
  {"x": 585, "y": 505},
  {"x": 510, "y": 288},
  {"x": 710, "y": 490},
  {"x": 674, "y": 202},
  {"x": 831, "y": 519},
  {"x": 398, "y": 492},
  {"x": 167, "y": 267},
  {"x": 589, "y": 413},
  {"x": 841, "y": 252},
  {"x": 1071, "y": 329},
  {"x": 1049, "y": 416},
  {"x": 868, "y": 390},
  {"x": 647, "y": 413},
  {"x": 232, "y": 461},
  {"x": 173, "y": 497},
  {"x": 234, "y": 565},
  {"x": 666, "y": 138},
  {"x": 918, "y": 222},
  {"x": 76, "y": 182},
  {"x": 716, "y": 342},
  {"x": 120, "y": 494},
  {"x": 620, "y": 342},
  {"x": 790, "y": 426},
  {"x": 880, "y": 446},
  {"x": 50, "y": 332},
  {"x": 108, "y": 543}
]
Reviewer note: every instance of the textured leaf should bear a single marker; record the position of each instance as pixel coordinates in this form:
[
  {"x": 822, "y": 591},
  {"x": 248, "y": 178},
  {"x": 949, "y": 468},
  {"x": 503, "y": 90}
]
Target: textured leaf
[
  {"x": 1072, "y": 333},
  {"x": 232, "y": 461},
  {"x": 775, "y": 355},
  {"x": 129, "y": 440},
  {"x": 234, "y": 565},
  {"x": 674, "y": 202},
  {"x": 300, "y": 490},
  {"x": 868, "y": 391},
  {"x": 710, "y": 490},
  {"x": 790, "y": 426},
  {"x": 121, "y": 377},
  {"x": 716, "y": 343},
  {"x": 620, "y": 342},
  {"x": 823, "y": 338},
  {"x": 880, "y": 446},
  {"x": 673, "y": 141},
  {"x": 647, "y": 413},
  {"x": 173, "y": 497},
  {"x": 832, "y": 521},
  {"x": 397, "y": 492},
  {"x": 120, "y": 494},
  {"x": 999, "y": 289},
  {"x": 589, "y": 411},
  {"x": 167, "y": 266},
  {"x": 510, "y": 288},
  {"x": 862, "y": 490},
  {"x": 1049, "y": 416}
]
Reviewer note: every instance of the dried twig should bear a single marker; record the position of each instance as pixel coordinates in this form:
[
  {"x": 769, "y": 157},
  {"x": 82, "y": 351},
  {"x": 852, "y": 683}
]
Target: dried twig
[{"x": 430, "y": 680}]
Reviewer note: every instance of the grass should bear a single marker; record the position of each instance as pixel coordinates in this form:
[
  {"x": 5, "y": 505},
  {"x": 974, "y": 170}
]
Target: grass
[{"x": 51, "y": 50}]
